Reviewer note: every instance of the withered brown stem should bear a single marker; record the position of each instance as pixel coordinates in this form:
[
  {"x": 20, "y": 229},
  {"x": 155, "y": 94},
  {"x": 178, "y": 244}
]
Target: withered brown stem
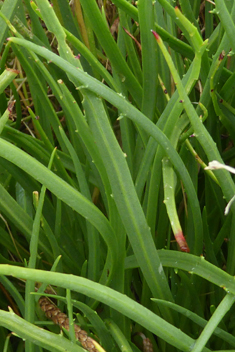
[{"x": 53, "y": 313}]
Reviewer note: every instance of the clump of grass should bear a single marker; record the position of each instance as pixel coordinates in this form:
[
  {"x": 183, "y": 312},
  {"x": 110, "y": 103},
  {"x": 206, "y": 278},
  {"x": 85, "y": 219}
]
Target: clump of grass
[{"x": 110, "y": 113}]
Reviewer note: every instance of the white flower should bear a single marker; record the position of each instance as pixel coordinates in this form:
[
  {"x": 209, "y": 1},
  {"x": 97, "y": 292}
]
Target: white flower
[{"x": 215, "y": 165}]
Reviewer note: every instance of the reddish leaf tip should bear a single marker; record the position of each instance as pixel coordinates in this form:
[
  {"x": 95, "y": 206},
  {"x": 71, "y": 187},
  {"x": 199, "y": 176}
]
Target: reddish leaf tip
[
  {"x": 156, "y": 35},
  {"x": 180, "y": 239},
  {"x": 12, "y": 70},
  {"x": 185, "y": 249}
]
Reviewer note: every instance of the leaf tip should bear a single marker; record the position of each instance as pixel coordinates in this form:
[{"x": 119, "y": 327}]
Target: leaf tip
[{"x": 156, "y": 35}]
